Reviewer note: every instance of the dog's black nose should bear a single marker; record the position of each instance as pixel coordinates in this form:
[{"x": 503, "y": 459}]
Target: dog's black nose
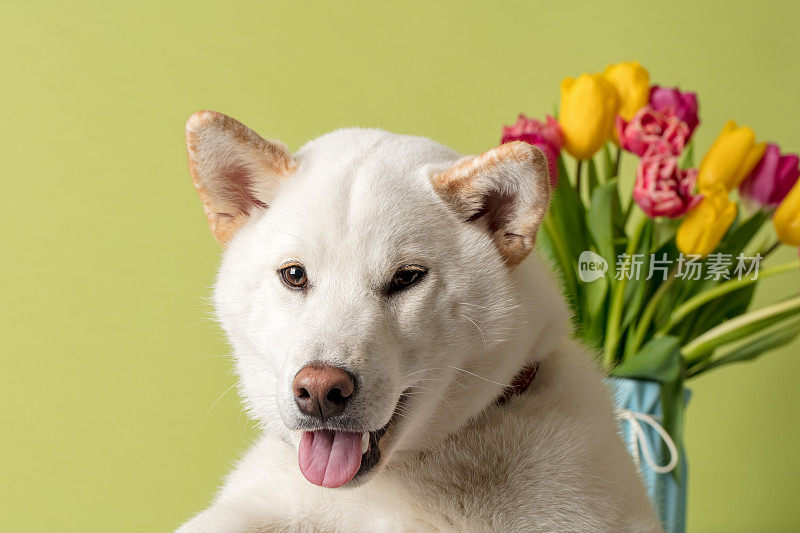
[{"x": 322, "y": 390}]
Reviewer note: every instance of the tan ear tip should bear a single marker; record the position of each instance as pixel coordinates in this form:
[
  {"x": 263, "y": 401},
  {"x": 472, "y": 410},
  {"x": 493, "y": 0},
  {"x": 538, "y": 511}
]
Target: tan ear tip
[
  {"x": 524, "y": 150},
  {"x": 200, "y": 119},
  {"x": 527, "y": 154},
  {"x": 516, "y": 145}
]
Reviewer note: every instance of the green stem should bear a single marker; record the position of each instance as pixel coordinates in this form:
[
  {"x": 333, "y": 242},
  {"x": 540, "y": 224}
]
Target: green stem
[
  {"x": 578, "y": 169},
  {"x": 720, "y": 290},
  {"x": 769, "y": 250},
  {"x": 647, "y": 315},
  {"x": 763, "y": 341},
  {"x": 613, "y": 333},
  {"x": 563, "y": 255},
  {"x": 628, "y": 211},
  {"x": 616, "y": 162},
  {"x": 737, "y": 328}
]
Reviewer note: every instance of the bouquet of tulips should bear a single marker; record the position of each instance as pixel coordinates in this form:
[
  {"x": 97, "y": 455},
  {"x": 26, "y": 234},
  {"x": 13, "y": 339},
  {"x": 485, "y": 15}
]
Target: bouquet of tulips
[{"x": 660, "y": 279}]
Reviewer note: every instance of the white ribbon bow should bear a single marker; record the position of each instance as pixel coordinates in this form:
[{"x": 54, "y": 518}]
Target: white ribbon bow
[{"x": 639, "y": 440}]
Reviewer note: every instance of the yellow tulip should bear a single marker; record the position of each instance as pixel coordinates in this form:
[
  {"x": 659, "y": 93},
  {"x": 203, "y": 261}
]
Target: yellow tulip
[
  {"x": 787, "y": 217},
  {"x": 706, "y": 224},
  {"x": 632, "y": 83},
  {"x": 588, "y": 107},
  {"x": 731, "y": 158}
]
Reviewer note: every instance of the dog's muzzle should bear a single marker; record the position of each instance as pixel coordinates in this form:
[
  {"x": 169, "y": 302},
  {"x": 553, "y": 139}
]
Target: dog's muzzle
[{"x": 332, "y": 458}]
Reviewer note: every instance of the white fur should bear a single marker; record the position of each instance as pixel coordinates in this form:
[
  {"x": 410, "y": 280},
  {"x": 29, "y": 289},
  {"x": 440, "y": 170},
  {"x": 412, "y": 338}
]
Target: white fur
[{"x": 359, "y": 205}]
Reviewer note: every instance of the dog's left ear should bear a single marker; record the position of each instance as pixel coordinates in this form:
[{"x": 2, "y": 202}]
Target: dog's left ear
[
  {"x": 234, "y": 170},
  {"x": 506, "y": 189}
]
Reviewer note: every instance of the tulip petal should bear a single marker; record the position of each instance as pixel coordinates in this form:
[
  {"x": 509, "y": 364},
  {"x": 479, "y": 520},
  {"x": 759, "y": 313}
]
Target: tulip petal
[
  {"x": 586, "y": 115},
  {"x": 750, "y": 160},
  {"x": 786, "y": 176},
  {"x": 731, "y": 158},
  {"x": 705, "y": 225},
  {"x": 631, "y": 83},
  {"x": 760, "y": 184},
  {"x": 787, "y": 217}
]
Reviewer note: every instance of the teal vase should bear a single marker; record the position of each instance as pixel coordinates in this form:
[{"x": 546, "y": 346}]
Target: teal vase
[{"x": 667, "y": 491}]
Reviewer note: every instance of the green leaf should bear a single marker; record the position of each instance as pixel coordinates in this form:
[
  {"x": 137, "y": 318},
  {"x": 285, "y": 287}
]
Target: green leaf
[
  {"x": 592, "y": 175},
  {"x": 551, "y": 243},
  {"x": 547, "y": 248},
  {"x": 637, "y": 289},
  {"x": 643, "y": 324},
  {"x": 658, "y": 360},
  {"x": 600, "y": 220},
  {"x": 722, "y": 289},
  {"x": 595, "y": 298},
  {"x": 738, "y": 328},
  {"x": 615, "y": 328},
  {"x": 688, "y": 156},
  {"x": 568, "y": 214},
  {"x": 608, "y": 163},
  {"x": 664, "y": 236},
  {"x": 716, "y": 312},
  {"x": 673, "y": 405},
  {"x": 673, "y": 296},
  {"x": 595, "y": 293},
  {"x": 753, "y": 347},
  {"x": 740, "y": 235}
]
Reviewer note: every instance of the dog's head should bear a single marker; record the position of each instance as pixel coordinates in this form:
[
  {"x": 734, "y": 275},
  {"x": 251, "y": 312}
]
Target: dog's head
[{"x": 369, "y": 284}]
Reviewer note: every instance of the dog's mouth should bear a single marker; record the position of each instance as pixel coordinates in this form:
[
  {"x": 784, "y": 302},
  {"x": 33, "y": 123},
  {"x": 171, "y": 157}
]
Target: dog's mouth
[{"x": 332, "y": 458}]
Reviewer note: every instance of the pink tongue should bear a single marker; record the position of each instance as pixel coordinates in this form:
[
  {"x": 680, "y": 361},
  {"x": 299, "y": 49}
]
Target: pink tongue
[{"x": 330, "y": 458}]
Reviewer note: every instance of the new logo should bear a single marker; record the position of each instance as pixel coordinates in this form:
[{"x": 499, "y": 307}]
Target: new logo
[{"x": 591, "y": 266}]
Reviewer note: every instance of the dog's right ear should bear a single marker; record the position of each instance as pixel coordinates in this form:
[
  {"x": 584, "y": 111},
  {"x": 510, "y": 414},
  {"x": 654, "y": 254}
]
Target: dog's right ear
[
  {"x": 506, "y": 190},
  {"x": 234, "y": 170}
]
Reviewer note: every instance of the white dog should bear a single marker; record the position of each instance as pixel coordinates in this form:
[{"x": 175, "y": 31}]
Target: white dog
[{"x": 409, "y": 370}]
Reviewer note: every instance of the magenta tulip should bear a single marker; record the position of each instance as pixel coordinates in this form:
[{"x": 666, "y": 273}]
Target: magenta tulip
[
  {"x": 772, "y": 178},
  {"x": 544, "y": 135},
  {"x": 652, "y": 131},
  {"x": 662, "y": 188},
  {"x": 682, "y": 105}
]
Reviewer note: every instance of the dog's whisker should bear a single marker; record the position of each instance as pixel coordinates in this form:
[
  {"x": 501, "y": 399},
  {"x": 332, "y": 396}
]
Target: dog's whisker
[
  {"x": 419, "y": 371},
  {"x": 448, "y": 379},
  {"x": 451, "y": 367},
  {"x": 187, "y": 326},
  {"x": 477, "y": 376},
  {"x": 217, "y": 400},
  {"x": 421, "y": 389},
  {"x": 485, "y": 344}
]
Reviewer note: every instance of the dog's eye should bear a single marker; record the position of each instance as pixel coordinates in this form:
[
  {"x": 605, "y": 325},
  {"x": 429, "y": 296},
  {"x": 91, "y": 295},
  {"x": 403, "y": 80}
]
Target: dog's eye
[
  {"x": 294, "y": 275},
  {"x": 405, "y": 277}
]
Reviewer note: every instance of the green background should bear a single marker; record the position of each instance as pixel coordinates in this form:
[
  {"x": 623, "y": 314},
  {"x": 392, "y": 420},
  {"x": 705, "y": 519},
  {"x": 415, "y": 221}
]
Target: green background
[{"x": 110, "y": 363}]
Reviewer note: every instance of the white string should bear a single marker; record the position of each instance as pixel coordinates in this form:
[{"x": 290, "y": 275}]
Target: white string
[{"x": 640, "y": 440}]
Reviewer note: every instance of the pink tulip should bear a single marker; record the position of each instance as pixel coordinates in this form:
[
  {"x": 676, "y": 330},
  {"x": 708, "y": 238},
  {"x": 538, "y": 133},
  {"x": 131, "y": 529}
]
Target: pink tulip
[
  {"x": 682, "y": 105},
  {"x": 545, "y": 136},
  {"x": 651, "y": 130},
  {"x": 662, "y": 188},
  {"x": 772, "y": 178},
  {"x": 549, "y": 130}
]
